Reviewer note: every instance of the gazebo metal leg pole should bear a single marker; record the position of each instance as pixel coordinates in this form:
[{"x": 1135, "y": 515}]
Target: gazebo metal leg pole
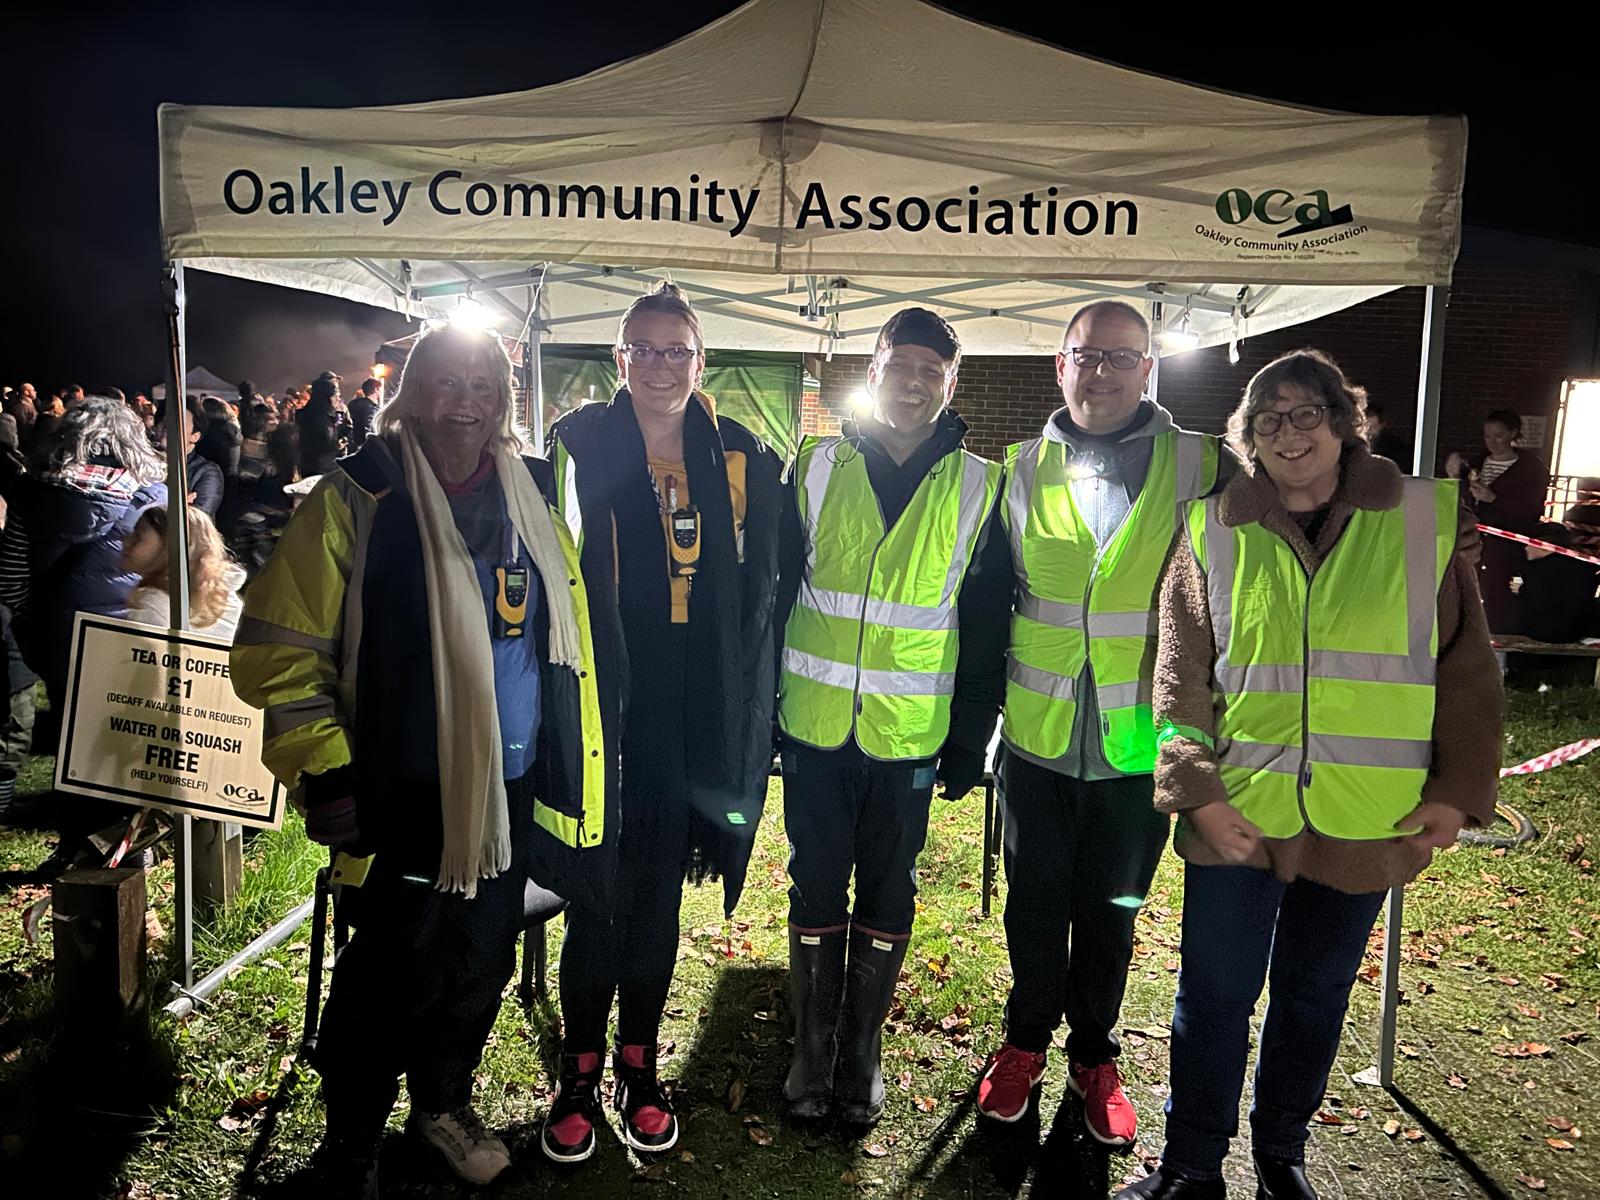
[
  {"x": 178, "y": 589},
  {"x": 1429, "y": 374}
]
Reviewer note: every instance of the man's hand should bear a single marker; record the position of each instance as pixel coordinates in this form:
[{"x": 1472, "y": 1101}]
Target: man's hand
[
  {"x": 1432, "y": 824},
  {"x": 1482, "y": 493},
  {"x": 1225, "y": 830},
  {"x": 959, "y": 771},
  {"x": 333, "y": 822}
]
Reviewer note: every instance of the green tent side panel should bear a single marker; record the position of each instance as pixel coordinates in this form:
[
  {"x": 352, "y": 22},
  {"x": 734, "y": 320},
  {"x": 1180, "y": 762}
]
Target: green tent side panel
[{"x": 760, "y": 391}]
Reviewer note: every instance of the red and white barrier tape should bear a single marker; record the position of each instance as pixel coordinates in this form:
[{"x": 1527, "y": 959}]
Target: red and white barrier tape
[
  {"x": 1550, "y": 546},
  {"x": 1553, "y": 759}
]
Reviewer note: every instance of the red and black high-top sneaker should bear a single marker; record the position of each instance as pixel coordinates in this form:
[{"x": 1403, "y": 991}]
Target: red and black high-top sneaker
[
  {"x": 648, "y": 1122},
  {"x": 568, "y": 1135}
]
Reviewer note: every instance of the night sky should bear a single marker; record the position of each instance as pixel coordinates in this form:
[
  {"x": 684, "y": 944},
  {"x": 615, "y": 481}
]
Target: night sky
[{"x": 79, "y": 216}]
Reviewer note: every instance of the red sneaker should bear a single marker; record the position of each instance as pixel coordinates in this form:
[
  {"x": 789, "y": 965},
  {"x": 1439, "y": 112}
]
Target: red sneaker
[
  {"x": 1007, "y": 1083},
  {"x": 1107, "y": 1111}
]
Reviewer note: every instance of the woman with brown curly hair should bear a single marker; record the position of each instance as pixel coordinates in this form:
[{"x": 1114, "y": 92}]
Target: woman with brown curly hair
[{"x": 1327, "y": 709}]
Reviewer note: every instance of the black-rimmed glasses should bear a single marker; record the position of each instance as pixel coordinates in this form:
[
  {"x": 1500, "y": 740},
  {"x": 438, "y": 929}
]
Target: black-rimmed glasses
[
  {"x": 1301, "y": 416},
  {"x": 1093, "y": 356}
]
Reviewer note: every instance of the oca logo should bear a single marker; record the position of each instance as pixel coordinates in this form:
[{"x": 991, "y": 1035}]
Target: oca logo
[
  {"x": 1276, "y": 206},
  {"x": 239, "y": 791}
]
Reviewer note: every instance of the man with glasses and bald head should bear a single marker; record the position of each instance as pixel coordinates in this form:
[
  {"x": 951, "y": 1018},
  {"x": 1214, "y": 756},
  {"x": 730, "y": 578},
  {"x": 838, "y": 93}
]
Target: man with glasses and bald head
[{"x": 1091, "y": 506}]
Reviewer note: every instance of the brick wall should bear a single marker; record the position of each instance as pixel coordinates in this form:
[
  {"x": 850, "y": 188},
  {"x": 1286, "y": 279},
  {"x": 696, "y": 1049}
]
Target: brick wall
[{"x": 1507, "y": 340}]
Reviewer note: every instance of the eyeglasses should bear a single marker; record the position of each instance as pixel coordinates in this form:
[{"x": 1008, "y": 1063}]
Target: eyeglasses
[
  {"x": 1302, "y": 416},
  {"x": 1091, "y": 356},
  {"x": 640, "y": 354}
]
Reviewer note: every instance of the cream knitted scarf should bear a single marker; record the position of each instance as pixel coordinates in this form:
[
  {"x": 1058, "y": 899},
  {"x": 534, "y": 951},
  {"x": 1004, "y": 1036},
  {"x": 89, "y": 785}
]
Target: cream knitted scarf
[{"x": 472, "y": 790}]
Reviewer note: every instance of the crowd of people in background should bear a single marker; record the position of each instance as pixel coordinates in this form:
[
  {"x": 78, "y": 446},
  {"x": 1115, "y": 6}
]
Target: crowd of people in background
[{"x": 83, "y": 523}]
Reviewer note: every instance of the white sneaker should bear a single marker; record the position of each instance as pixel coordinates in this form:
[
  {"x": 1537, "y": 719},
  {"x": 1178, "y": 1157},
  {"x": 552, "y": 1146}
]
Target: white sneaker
[{"x": 473, "y": 1152}]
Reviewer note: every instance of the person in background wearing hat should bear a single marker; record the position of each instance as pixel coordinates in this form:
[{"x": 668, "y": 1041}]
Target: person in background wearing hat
[{"x": 890, "y": 682}]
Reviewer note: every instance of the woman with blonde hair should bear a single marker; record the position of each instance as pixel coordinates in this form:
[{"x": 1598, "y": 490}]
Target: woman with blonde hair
[
  {"x": 1327, "y": 709},
  {"x": 678, "y": 512},
  {"x": 214, "y": 578},
  {"x": 437, "y": 680}
]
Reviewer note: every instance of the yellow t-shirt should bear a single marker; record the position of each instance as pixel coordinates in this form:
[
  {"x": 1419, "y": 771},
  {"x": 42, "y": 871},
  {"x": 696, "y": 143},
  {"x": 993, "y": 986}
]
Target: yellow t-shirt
[{"x": 670, "y": 476}]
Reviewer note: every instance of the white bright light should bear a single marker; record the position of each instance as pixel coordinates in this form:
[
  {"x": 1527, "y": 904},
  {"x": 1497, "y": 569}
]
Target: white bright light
[
  {"x": 472, "y": 314},
  {"x": 1176, "y": 341},
  {"x": 1579, "y": 437},
  {"x": 860, "y": 400}
]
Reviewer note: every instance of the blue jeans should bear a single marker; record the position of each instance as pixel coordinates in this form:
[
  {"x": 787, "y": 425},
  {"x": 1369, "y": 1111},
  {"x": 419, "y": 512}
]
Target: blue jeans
[{"x": 1239, "y": 924}]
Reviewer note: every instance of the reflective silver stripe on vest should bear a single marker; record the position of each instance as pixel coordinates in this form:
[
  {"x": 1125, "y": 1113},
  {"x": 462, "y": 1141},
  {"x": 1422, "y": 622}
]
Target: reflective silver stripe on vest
[
  {"x": 1121, "y": 624},
  {"x": 1189, "y": 468},
  {"x": 971, "y": 514},
  {"x": 878, "y": 612},
  {"x": 571, "y": 511},
  {"x": 1260, "y": 756},
  {"x": 818, "y": 471},
  {"x": 1370, "y": 751},
  {"x": 1364, "y": 667},
  {"x": 1260, "y": 677},
  {"x": 872, "y": 683},
  {"x": 1046, "y": 683},
  {"x": 1327, "y": 748},
  {"x": 1122, "y": 695},
  {"x": 1219, "y": 580},
  {"x": 1422, "y": 578},
  {"x": 1050, "y": 612},
  {"x": 1019, "y": 492}
]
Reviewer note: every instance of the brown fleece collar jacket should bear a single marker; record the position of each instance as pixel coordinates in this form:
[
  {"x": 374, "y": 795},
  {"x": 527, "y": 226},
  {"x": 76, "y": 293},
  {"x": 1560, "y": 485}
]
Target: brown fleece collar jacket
[{"x": 1468, "y": 690}]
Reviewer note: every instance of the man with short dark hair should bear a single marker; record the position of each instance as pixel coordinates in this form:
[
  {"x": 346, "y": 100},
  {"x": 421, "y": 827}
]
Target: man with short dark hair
[
  {"x": 879, "y": 698},
  {"x": 1091, "y": 508},
  {"x": 205, "y": 477},
  {"x": 362, "y": 410}
]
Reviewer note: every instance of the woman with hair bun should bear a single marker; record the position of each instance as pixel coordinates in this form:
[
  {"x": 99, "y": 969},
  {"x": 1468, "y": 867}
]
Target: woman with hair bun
[{"x": 677, "y": 508}]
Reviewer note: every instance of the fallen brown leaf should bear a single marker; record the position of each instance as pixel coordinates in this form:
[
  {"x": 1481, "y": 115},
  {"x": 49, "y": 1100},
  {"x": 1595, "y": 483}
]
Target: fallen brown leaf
[
  {"x": 735, "y": 1095},
  {"x": 1391, "y": 1128},
  {"x": 1531, "y": 1183},
  {"x": 924, "y": 1104},
  {"x": 875, "y": 1150},
  {"x": 1324, "y": 1117},
  {"x": 1413, "y": 1135},
  {"x": 1559, "y": 1144},
  {"x": 760, "y": 1136},
  {"x": 1458, "y": 1082},
  {"x": 1559, "y": 1124},
  {"x": 651, "y": 1174}
]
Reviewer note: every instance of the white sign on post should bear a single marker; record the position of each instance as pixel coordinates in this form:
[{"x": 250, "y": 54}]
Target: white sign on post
[{"x": 152, "y": 719}]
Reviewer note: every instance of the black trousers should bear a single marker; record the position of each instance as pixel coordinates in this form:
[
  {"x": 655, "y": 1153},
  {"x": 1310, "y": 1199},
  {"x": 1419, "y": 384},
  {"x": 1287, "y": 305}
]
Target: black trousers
[
  {"x": 417, "y": 988},
  {"x": 844, "y": 811},
  {"x": 1079, "y": 858},
  {"x": 632, "y": 956}
]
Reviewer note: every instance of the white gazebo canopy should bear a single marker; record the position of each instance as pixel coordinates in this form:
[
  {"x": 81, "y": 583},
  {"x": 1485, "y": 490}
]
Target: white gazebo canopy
[{"x": 803, "y": 167}]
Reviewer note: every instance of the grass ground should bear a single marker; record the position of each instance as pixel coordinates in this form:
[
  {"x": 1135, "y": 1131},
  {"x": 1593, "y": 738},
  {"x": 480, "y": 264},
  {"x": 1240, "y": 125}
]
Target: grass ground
[{"x": 1499, "y": 1036}]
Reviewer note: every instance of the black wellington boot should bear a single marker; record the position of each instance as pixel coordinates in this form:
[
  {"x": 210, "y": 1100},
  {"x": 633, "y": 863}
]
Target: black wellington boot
[
  {"x": 1164, "y": 1185},
  {"x": 1277, "y": 1179},
  {"x": 868, "y": 993},
  {"x": 816, "y": 988}
]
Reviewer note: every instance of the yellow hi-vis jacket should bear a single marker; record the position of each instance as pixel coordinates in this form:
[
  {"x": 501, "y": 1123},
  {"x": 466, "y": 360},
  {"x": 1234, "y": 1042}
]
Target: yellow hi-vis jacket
[
  {"x": 297, "y": 649},
  {"x": 1325, "y": 685},
  {"x": 871, "y": 646},
  {"x": 1077, "y": 600}
]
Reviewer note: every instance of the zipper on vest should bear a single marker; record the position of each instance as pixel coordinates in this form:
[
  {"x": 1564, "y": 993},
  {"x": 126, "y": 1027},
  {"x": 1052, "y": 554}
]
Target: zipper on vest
[
  {"x": 1304, "y": 780},
  {"x": 861, "y": 624}
]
